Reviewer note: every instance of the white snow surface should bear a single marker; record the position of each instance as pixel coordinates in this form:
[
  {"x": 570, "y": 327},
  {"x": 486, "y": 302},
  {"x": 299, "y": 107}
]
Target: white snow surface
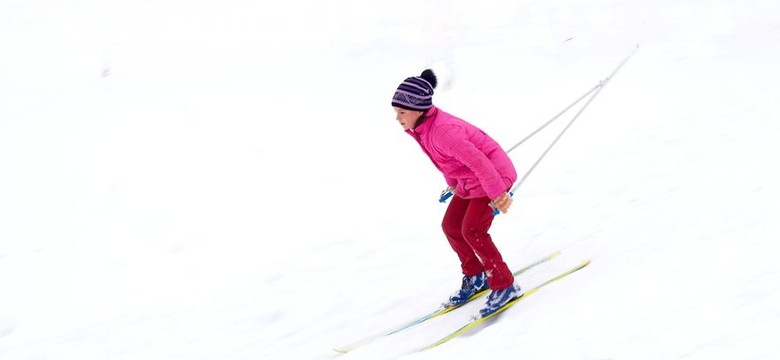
[{"x": 226, "y": 180}]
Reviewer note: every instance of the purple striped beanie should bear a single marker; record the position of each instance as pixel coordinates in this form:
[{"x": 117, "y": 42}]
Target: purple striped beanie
[{"x": 416, "y": 93}]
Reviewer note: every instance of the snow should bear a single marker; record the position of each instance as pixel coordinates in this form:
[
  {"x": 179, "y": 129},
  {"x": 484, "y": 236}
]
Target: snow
[{"x": 201, "y": 180}]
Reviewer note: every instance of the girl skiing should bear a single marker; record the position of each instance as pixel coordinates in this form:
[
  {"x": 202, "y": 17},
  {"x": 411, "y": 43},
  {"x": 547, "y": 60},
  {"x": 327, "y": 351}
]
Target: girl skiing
[{"x": 479, "y": 172}]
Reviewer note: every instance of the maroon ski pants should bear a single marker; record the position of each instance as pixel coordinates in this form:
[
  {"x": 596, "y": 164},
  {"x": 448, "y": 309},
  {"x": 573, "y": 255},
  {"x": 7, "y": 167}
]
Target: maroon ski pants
[{"x": 466, "y": 223}]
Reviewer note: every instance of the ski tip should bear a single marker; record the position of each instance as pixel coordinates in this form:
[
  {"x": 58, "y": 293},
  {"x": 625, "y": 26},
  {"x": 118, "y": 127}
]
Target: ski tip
[
  {"x": 586, "y": 262},
  {"x": 341, "y": 351}
]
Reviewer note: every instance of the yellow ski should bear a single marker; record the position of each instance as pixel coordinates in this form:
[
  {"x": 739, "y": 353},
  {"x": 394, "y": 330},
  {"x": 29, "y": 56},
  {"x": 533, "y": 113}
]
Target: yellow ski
[
  {"x": 478, "y": 320},
  {"x": 441, "y": 311}
]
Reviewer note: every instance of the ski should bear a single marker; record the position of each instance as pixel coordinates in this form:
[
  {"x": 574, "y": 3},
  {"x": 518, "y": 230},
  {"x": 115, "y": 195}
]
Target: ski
[
  {"x": 479, "y": 320},
  {"x": 440, "y": 311}
]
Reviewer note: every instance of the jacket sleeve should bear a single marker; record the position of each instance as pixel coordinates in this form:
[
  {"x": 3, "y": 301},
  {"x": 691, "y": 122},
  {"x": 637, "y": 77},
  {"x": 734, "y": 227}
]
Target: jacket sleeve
[
  {"x": 454, "y": 142},
  {"x": 450, "y": 181}
]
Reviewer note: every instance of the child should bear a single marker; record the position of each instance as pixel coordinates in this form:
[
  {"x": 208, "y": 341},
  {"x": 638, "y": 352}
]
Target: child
[{"x": 479, "y": 172}]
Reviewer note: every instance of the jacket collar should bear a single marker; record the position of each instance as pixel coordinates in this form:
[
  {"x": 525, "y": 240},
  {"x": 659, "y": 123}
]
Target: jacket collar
[{"x": 427, "y": 120}]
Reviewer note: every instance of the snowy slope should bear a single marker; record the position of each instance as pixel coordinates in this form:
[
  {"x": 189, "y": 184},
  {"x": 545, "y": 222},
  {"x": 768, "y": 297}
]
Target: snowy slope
[{"x": 225, "y": 180}]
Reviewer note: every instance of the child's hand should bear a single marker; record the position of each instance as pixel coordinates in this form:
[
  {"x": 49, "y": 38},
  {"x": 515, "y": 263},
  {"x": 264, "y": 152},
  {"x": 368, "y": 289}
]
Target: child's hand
[{"x": 502, "y": 202}]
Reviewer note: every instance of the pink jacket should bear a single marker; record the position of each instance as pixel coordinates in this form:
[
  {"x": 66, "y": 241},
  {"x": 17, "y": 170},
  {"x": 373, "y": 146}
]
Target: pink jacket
[{"x": 470, "y": 160}]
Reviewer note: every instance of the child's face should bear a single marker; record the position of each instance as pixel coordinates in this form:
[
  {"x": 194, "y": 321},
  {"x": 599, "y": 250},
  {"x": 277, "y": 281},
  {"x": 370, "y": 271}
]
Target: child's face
[{"x": 407, "y": 118}]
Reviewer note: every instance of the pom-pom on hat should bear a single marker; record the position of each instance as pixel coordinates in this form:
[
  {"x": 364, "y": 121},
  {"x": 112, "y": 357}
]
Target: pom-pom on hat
[{"x": 416, "y": 93}]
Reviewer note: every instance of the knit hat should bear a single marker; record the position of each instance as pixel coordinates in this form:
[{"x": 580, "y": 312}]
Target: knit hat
[{"x": 416, "y": 93}]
